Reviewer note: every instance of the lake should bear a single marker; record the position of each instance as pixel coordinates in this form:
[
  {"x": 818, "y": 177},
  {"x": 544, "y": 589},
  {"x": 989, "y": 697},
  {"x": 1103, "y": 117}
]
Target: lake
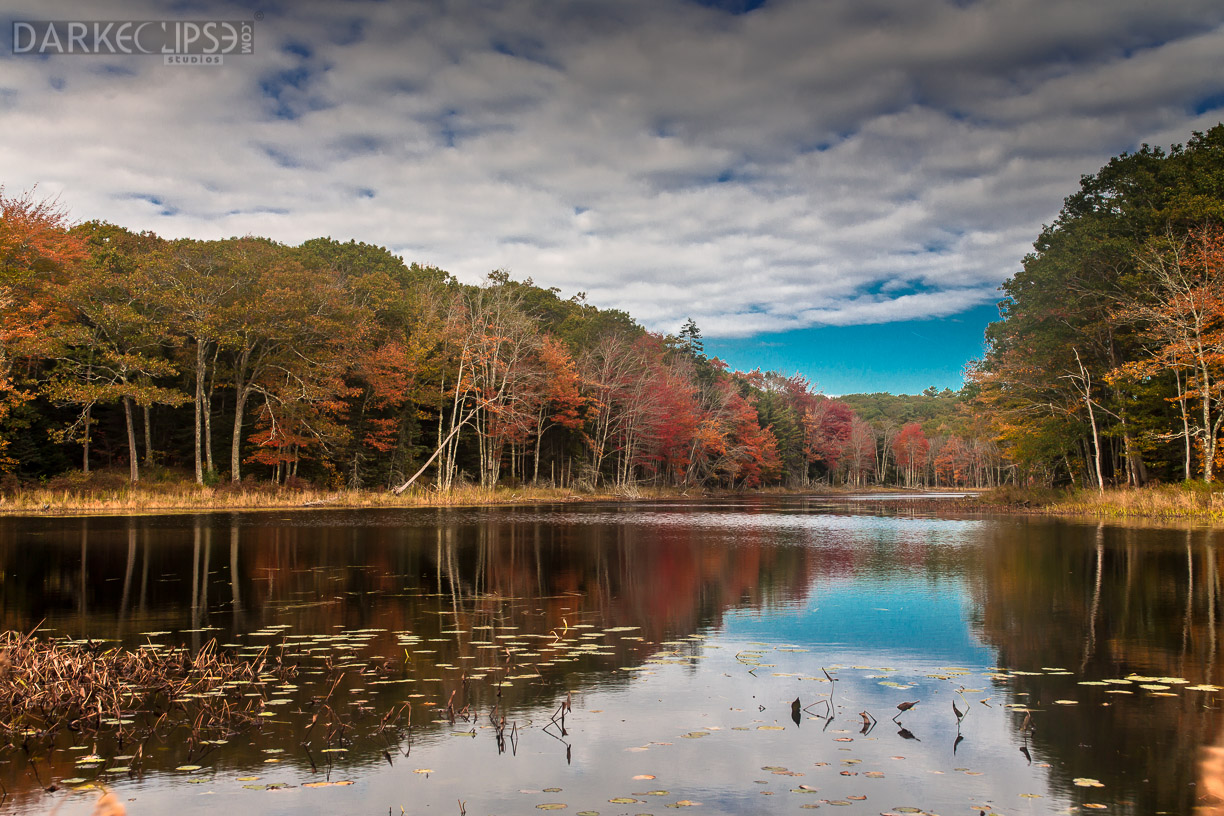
[{"x": 721, "y": 657}]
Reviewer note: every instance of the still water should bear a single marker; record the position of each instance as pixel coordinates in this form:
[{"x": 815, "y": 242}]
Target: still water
[{"x": 725, "y": 658}]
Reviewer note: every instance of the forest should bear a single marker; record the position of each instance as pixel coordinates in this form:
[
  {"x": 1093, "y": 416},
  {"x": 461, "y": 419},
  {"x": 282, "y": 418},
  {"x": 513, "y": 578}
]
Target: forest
[
  {"x": 1107, "y": 365},
  {"x": 341, "y": 365}
]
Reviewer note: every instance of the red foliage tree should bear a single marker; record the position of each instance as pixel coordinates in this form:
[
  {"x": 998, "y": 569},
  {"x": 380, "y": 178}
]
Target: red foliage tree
[{"x": 910, "y": 448}]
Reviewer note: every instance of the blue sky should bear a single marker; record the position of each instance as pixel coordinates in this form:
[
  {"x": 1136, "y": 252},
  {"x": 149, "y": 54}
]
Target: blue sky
[{"x": 821, "y": 184}]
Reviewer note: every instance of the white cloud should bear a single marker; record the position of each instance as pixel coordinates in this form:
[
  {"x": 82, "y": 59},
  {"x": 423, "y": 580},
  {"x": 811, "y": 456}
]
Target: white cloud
[{"x": 835, "y": 162}]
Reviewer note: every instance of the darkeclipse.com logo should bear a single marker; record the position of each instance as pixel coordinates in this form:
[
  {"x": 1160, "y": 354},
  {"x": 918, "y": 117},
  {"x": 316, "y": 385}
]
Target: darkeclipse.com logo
[{"x": 212, "y": 39}]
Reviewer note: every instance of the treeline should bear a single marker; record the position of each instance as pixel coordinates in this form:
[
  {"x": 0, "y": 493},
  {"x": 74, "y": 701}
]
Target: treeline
[
  {"x": 341, "y": 365},
  {"x": 1107, "y": 367}
]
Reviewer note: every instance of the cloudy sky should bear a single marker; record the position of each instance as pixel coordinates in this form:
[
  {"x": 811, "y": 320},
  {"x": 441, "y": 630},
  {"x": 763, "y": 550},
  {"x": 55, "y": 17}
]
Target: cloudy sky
[{"x": 834, "y": 187}]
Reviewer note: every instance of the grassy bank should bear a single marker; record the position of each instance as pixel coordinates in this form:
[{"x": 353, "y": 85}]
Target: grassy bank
[
  {"x": 102, "y": 494},
  {"x": 1196, "y": 502}
]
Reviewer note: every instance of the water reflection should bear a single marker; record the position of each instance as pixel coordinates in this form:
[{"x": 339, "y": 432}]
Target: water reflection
[{"x": 678, "y": 618}]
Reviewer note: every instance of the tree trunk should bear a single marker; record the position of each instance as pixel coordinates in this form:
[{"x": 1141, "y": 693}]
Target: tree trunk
[
  {"x": 148, "y": 434},
  {"x": 88, "y": 421},
  {"x": 236, "y": 442},
  {"x": 212, "y": 386},
  {"x": 199, "y": 413},
  {"x": 133, "y": 459}
]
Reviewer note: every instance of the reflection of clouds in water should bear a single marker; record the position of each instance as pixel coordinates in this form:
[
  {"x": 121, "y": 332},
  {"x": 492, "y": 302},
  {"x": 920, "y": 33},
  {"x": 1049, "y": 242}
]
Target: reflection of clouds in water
[{"x": 949, "y": 530}]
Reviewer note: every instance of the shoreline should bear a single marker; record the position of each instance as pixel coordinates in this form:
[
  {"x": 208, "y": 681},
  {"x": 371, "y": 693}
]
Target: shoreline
[
  {"x": 179, "y": 498},
  {"x": 1174, "y": 503}
]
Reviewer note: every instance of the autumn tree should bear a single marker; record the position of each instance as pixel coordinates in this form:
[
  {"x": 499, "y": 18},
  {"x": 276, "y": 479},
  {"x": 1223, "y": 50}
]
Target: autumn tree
[
  {"x": 1181, "y": 307},
  {"x": 35, "y": 247},
  {"x": 910, "y": 449}
]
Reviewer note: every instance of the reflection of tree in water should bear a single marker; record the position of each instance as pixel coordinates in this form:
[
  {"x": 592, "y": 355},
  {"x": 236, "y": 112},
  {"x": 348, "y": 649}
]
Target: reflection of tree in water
[
  {"x": 1104, "y": 602},
  {"x": 116, "y": 578}
]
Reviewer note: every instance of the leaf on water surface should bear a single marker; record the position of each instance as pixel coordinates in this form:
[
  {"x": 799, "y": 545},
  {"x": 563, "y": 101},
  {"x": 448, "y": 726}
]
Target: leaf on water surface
[
  {"x": 875, "y": 774},
  {"x": 770, "y": 728},
  {"x": 624, "y": 800},
  {"x": 844, "y": 739},
  {"x": 552, "y": 790},
  {"x": 857, "y": 798},
  {"x": 1085, "y": 782},
  {"x": 684, "y": 803},
  {"x": 552, "y": 806},
  {"x": 1204, "y": 687},
  {"x": 337, "y": 783},
  {"x": 640, "y": 777},
  {"x": 1094, "y": 806},
  {"x": 1031, "y": 796},
  {"x": 1153, "y": 687},
  {"x": 1066, "y": 702},
  {"x": 802, "y": 789},
  {"x": 700, "y": 734},
  {"x": 423, "y": 770},
  {"x": 247, "y": 778},
  {"x": 188, "y": 768}
]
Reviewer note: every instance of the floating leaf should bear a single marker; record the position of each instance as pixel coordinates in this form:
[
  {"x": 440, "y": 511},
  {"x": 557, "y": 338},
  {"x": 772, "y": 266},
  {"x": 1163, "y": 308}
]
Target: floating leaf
[
  {"x": 623, "y": 800},
  {"x": 423, "y": 770},
  {"x": 1066, "y": 702},
  {"x": 1085, "y": 782},
  {"x": 247, "y": 778},
  {"x": 552, "y": 790},
  {"x": 640, "y": 777},
  {"x": 552, "y": 806},
  {"x": 188, "y": 768},
  {"x": 337, "y": 783}
]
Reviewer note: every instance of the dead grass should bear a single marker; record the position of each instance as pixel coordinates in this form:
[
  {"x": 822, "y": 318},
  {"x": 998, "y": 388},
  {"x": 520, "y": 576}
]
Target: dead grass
[
  {"x": 159, "y": 497},
  {"x": 1191, "y": 501}
]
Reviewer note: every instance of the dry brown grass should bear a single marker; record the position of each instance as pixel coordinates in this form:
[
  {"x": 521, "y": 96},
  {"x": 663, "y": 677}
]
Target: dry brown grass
[
  {"x": 129, "y": 499},
  {"x": 1194, "y": 502}
]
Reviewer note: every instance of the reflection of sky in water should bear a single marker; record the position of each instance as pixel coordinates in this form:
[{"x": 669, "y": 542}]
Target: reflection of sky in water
[
  {"x": 889, "y": 620},
  {"x": 888, "y": 605}
]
